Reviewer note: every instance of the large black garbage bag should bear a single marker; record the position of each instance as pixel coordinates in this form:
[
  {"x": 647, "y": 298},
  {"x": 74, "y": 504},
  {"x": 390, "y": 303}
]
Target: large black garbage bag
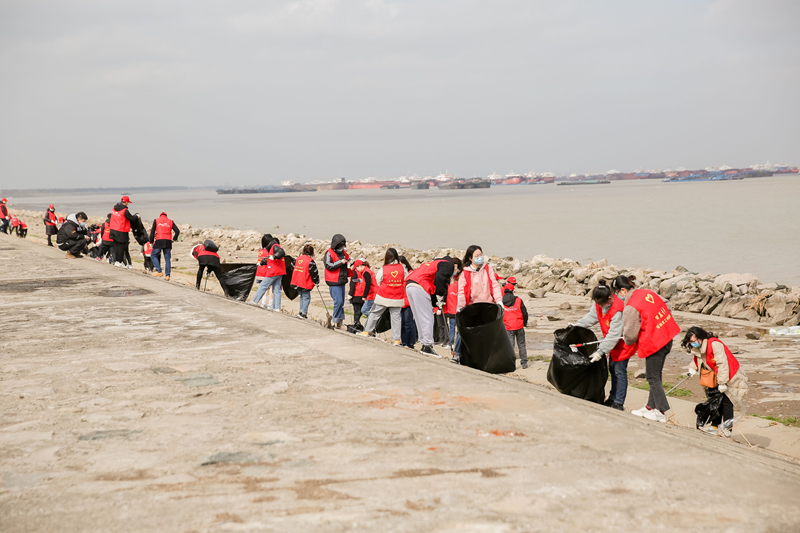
[
  {"x": 570, "y": 372},
  {"x": 239, "y": 277},
  {"x": 139, "y": 233},
  {"x": 286, "y": 282},
  {"x": 385, "y": 322},
  {"x": 441, "y": 333},
  {"x": 484, "y": 341},
  {"x": 709, "y": 409}
]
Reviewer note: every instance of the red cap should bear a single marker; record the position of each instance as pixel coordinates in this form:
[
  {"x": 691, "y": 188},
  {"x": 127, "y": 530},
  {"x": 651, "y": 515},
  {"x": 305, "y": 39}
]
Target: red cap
[
  {"x": 51, "y": 206},
  {"x": 512, "y": 280},
  {"x": 126, "y": 199},
  {"x": 3, "y": 200},
  {"x": 358, "y": 263}
]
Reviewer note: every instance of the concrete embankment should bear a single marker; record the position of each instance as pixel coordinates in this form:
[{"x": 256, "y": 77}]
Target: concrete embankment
[{"x": 130, "y": 404}]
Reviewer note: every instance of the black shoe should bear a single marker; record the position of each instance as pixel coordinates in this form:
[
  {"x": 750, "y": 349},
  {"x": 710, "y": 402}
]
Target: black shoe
[
  {"x": 524, "y": 365},
  {"x": 428, "y": 349},
  {"x": 617, "y": 406},
  {"x": 456, "y": 359},
  {"x": 609, "y": 402}
]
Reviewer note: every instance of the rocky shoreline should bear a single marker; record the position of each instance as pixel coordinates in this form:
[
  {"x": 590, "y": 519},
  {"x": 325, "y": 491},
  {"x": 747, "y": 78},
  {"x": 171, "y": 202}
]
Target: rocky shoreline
[{"x": 736, "y": 296}]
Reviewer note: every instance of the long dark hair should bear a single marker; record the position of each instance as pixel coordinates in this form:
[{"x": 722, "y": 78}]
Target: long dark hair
[
  {"x": 602, "y": 293},
  {"x": 405, "y": 263},
  {"x": 390, "y": 257},
  {"x": 265, "y": 240},
  {"x": 623, "y": 282},
  {"x": 457, "y": 263},
  {"x": 698, "y": 332},
  {"x": 468, "y": 255}
]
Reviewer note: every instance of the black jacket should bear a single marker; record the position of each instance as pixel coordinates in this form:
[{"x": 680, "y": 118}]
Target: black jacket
[
  {"x": 338, "y": 243},
  {"x": 122, "y": 236},
  {"x": 164, "y": 244},
  {"x": 70, "y": 233},
  {"x": 509, "y": 298}
]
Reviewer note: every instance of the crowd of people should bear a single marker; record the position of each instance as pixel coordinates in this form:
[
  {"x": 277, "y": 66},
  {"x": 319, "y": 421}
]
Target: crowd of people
[{"x": 427, "y": 297}]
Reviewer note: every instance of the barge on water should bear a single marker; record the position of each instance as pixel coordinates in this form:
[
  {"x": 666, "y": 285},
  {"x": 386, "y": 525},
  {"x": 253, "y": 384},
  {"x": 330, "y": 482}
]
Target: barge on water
[{"x": 587, "y": 182}]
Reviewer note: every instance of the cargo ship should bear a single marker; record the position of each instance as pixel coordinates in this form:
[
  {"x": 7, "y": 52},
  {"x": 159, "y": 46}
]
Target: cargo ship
[{"x": 584, "y": 182}]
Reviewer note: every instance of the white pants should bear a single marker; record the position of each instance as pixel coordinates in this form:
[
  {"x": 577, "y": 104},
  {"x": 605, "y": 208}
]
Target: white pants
[{"x": 423, "y": 312}]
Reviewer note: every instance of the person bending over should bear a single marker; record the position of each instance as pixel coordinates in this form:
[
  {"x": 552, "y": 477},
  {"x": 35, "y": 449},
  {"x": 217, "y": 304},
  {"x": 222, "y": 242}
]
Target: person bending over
[
  {"x": 72, "y": 236},
  {"x": 208, "y": 259}
]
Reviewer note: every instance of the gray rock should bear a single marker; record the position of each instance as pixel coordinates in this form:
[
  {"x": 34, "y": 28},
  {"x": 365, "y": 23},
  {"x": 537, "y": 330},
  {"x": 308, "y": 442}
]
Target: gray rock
[
  {"x": 198, "y": 380},
  {"x": 537, "y": 293},
  {"x": 553, "y": 317},
  {"x": 753, "y": 335},
  {"x": 231, "y": 457},
  {"x": 711, "y": 305},
  {"x": 108, "y": 434},
  {"x": 641, "y": 373},
  {"x": 747, "y": 314},
  {"x": 565, "y": 306}
]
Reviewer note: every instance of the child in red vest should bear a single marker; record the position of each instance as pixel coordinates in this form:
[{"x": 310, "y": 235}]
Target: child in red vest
[
  {"x": 22, "y": 232},
  {"x": 515, "y": 318},
  {"x": 304, "y": 277},
  {"x": 14, "y": 224}
]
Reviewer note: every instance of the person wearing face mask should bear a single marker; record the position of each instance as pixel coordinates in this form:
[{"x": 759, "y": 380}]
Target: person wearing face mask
[
  {"x": 478, "y": 283},
  {"x": 72, "y": 236},
  {"x": 337, "y": 273},
  {"x": 608, "y": 312},
  {"x": 710, "y": 353},
  {"x": 648, "y": 325},
  {"x": 50, "y": 224}
]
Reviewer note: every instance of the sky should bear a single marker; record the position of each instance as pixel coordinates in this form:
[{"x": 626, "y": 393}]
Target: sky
[{"x": 245, "y": 92}]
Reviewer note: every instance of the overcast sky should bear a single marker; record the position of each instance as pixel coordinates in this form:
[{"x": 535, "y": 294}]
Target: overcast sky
[{"x": 160, "y": 92}]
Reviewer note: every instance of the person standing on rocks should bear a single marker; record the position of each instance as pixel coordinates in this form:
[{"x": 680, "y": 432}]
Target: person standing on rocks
[
  {"x": 304, "y": 277},
  {"x": 515, "y": 318},
  {"x": 336, "y": 276},
  {"x": 50, "y": 224},
  {"x": 72, "y": 236},
  {"x": 426, "y": 288},
  {"x": 208, "y": 259},
  {"x": 162, "y": 234},
  {"x": 276, "y": 269},
  {"x": 608, "y": 312},
  {"x": 647, "y": 324},
  {"x": 121, "y": 219},
  {"x": 711, "y": 355},
  {"x": 4, "y": 217},
  {"x": 390, "y": 296}
]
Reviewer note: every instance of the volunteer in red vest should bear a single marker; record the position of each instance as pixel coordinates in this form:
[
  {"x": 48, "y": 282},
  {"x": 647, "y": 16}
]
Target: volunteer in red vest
[
  {"x": 14, "y": 224},
  {"x": 449, "y": 311},
  {"x": 121, "y": 219},
  {"x": 408, "y": 328},
  {"x": 304, "y": 277},
  {"x": 515, "y": 318},
  {"x": 426, "y": 288},
  {"x": 276, "y": 269},
  {"x": 147, "y": 250},
  {"x": 50, "y": 224},
  {"x": 364, "y": 290},
  {"x": 162, "y": 234},
  {"x": 337, "y": 273},
  {"x": 711, "y": 354},
  {"x": 478, "y": 283},
  {"x": 4, "y": 216},
  {"x": 390, "y": 296},
  {"x": 208, "y": 259},
  {"x": 607, "y": 311},
  {"x": 106, "y": 244},
  {"x": 261, "y": 269},
  {"x": 647, "y": 324},
  {"x": 23, "y": 229}
]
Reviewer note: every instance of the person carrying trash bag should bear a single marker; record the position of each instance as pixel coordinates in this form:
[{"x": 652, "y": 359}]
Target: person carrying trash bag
[
  {"x": 648, "y": 324},
  {"x": 571, "y": 370},
  {"x": 515, "y": 318},
  {"x": 719, "y": 373},
  {"x": 276, "y": 269},
  {"x": 426, "y": 288},
  {"x": 208, "y": 260},
  {"x": 607, "y": 311},
  {"x": 305, "y": 277},
  {"x": 337, "y": 272}
]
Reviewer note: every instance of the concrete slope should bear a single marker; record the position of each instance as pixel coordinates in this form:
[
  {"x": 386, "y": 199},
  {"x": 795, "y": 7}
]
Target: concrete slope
[{"x": 130, "y": 404}]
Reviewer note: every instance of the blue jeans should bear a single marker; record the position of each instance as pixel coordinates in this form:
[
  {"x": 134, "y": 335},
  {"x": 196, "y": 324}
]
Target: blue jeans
[
  {"x": 365, "y": 309},
  {"x": 337, "y": 293},
  {"x": 619, "y": 380},
  {"x": 275, "y": 283},
  {"x": 155, "y": 256},
  {"x": 305, "y": 300},
  {"x": 455, "y": 338},
  {"x": 408, "y": 334}
]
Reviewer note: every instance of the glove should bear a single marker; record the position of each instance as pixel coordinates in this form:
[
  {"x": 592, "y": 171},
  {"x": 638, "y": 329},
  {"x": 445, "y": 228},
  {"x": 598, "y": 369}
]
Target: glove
[
  {"x": 595, "y": 357},
  {"x": 691, "y": 372},
  {"x": 262, "y": 262},
  {"x": 571, "y": 325},
  {"x": 722, "y": 388},
  {"x": 501, "y": 306}
]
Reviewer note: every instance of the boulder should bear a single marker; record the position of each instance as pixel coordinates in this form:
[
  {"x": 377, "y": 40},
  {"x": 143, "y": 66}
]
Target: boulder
[
  {"x": 565, "y": 306},
  {"x": 736, "y": 279},
  {"x": 712, "y": 304},
  {"x": 747, "y": 314},
  {"x": 537, "y": 293}
]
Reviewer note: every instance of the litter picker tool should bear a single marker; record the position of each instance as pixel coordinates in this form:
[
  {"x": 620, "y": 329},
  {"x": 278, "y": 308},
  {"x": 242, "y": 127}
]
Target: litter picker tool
[
  {"x": 574, "y": 347},
  {"x": 328, "y": 324},
  {"x": 676, "y": 386}
]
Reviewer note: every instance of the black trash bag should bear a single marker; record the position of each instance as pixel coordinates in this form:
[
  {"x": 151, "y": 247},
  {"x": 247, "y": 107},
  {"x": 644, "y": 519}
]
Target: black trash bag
[
  {"x": 355, "y": 328},
  {"x": 570, "y": 372},
  {"x": 286, "y": 281},
  {"x": 709, "y": 409},
  {"x": 239, "y": 277},
  {"x": 94, "y": 253},
  {"x": 139, "y": 233},
  {"x": 484, "y": 341},
  {"x": 385, "y": 322},
  {"x": 441, "y": 333}
]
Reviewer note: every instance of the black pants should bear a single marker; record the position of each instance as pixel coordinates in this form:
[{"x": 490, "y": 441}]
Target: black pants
[
  {"x": 104, "y": 250},
  {"x": 74, "y": 247},
  {"x": 654, "y": 366},
  {"x": 408, "y": 332},
  {"x": 119, "y": 253},
  {"x": 4, "y": 226},
  {"x": 49, "y": 240},
  {"x": 217, "y": 274},
  {"x": 148, "y": 263},
  {"x": 23, "y": 233},
  {"x": 357, "y": 312},
  {"x": 725, "y": 411},
  {"x": 13, "y": 230}
]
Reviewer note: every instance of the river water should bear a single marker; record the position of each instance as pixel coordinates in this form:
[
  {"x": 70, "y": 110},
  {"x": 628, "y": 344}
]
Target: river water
[{"x": 730, "y": 226}]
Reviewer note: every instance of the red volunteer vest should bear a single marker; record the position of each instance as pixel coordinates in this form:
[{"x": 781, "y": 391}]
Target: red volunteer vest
[
  {"x": 51, "y": 219},
  {"x": 106, "y": 231},
  {"x": 392, "y": 286},
  {"x": 424, "y": 275},
  {"x": 468, "y": 283},
  {"x": 733, "y": 364},
  {"x": 119, "y": 222},
  {"x": 14, "y": 222},
  {"x": 3, "y": 211},
  {"x": 512, "y": 318},
  {"x": 148, "y": 248},
  {"x": 261, "y": 270},
  {"x": 275, "y": 267},
  {"x": 373, "y": 286},
  {"x": 621, "y": 351},
  {"x": 23, "y": 225},
  {"x": 163, "y": 229},
  {"x": 452, "y": 299},
  {"x": 201, "y": 251},
  {"x": 301, "y": 277},
  {"x": 658, "y": 325},
  {"x": 335, "y": 276}
]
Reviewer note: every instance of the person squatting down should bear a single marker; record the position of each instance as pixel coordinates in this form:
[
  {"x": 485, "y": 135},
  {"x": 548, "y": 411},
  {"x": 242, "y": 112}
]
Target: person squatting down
[
  {"x": 305, "y": 277},
  {"x": 73, "y": 236},
  {"x": 208, "y": 260},
  {"x": 515, "y": 318},
  {"x": 608, "y": 312},
  {"x": 720, "y": 373},
  {"x": 162, "y": 234}
]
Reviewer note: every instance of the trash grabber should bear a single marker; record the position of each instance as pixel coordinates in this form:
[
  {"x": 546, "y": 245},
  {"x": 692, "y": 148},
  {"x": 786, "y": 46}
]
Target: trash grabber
[
  {"x": 676, "y": 386},
  {"x": 329, "y": 323},
  {"x": 574, "y": 347}
]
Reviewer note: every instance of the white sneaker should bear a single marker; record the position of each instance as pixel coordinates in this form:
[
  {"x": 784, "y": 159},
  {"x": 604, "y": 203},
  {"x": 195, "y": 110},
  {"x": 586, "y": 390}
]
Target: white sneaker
[
  {"x": 251, "y": 302},
  {"x": 656, "y": 416},
  {"x": 117, "y": 264},
  {"x": 640, "y": 412},
  {"x": 129, "y": 267}
]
